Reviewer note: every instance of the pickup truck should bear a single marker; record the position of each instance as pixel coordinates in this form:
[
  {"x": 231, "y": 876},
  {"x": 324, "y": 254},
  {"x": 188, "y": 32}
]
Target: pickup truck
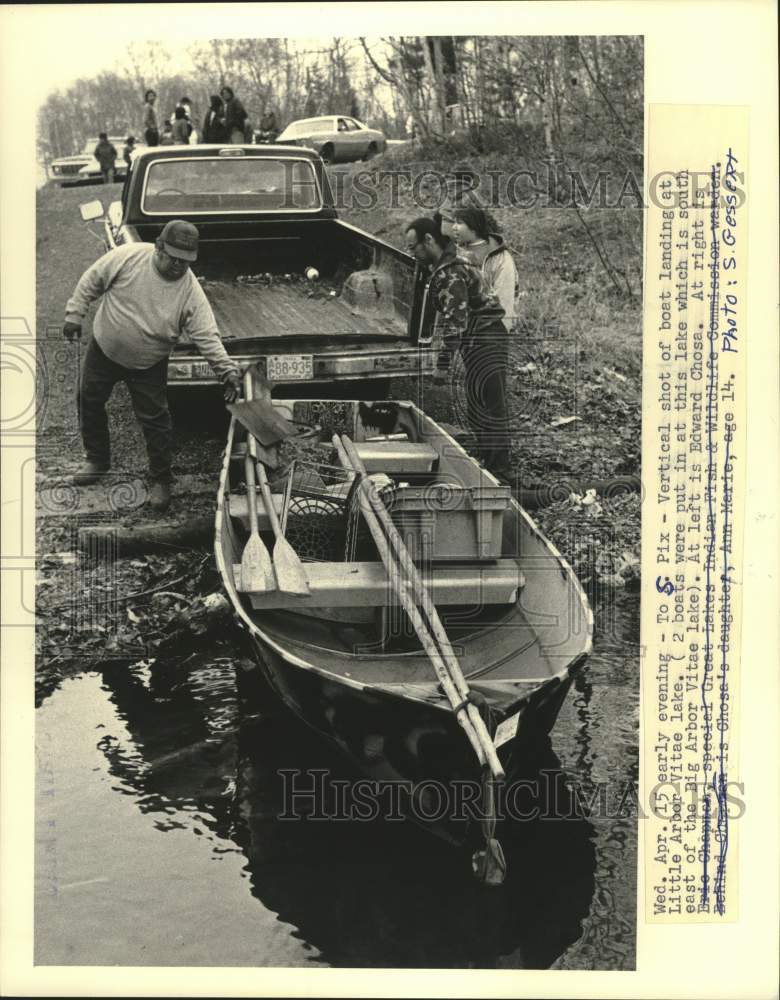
[{"x": 306, "y": 296}]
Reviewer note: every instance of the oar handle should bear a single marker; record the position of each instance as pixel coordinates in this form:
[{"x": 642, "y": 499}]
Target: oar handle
[
  {"x": 250, "y": 438},
  {"x": 261, "y": 474},
  {"x": 249, "y": 466},
  {"x": 251, "y": 495},
  {"x": 268, "y": 500}
]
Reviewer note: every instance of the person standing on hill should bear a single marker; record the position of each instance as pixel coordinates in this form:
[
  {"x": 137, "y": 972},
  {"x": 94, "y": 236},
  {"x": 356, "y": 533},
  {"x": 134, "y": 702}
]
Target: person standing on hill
[
  {"x": 127, "y": 152},
  {"x": 235, "y": 116},
  {"x": 487, "y": 251},
  {"x": 468, "y": 320},
  {"x": 214, "y": 130},
  {"x": 151, "y": 132},
  {"x": 105, "y": 153},
  {"x": 149, "y": 298},
  {"x": 186, "y": 103},
  {"x": 269, "y": 130},
  {"x": 180, "y": 128}
]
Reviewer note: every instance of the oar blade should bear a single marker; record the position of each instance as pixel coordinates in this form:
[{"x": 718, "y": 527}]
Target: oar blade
[
  {"x": 257, "y": 575},
  {"x": 290, "y": 572}
]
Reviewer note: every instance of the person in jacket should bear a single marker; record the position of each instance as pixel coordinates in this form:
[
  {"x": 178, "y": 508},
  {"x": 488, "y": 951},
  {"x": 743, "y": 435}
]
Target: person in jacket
[
  {"x": 186, "y": 103},
  {"x": 148, "y": 299},
  {"x": 235, "y": 115},
  {"x": 470, "y": 321},
  {"x": 105, "y": 153},
  {"x": 151, "y": 132},
  {"x": 213, "y": 124},
  {"x": 486, "y": 250},
  {"x": 129, "y": 149},
  {"x": 166, "y": 139},
  {"x": 180, "y": 127},
  {"x": 269, "y": 130}
]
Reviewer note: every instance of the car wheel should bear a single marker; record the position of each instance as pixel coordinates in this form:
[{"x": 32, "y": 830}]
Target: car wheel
[
  {"x": 326, "y": 153},
  {"x": 370, "y": 152}
]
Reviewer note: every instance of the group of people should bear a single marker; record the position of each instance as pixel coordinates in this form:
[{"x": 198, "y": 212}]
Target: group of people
[
  {"x": 106, "y": 155},
  {"x": 177, "y": 130},
  {"x": 226, "y": 121}
]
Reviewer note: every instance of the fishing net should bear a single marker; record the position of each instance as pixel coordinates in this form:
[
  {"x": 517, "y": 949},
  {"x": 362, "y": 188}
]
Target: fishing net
[{"x": 321, "y": 515}]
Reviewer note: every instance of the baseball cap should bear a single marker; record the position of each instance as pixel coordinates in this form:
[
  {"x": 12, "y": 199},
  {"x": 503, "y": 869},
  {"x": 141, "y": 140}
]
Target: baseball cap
[{"x": 180, "y": 239}]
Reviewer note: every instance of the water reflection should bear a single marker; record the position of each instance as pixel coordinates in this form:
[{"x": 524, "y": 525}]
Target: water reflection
[
  {"x": 388, "y": 894},
  {"x": 198, "y": 745},
  {"x": 362, "y": 894},
  {"x": 598, "y": 735}
]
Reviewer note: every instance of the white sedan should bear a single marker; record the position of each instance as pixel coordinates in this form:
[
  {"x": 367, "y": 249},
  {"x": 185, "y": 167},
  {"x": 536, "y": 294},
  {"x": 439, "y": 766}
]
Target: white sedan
[{"x": 337, "y": 138}]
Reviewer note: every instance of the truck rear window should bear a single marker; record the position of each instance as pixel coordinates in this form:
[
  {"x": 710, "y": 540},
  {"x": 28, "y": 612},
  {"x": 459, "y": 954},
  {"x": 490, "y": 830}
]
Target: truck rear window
[{"x": 225, "y": 184}]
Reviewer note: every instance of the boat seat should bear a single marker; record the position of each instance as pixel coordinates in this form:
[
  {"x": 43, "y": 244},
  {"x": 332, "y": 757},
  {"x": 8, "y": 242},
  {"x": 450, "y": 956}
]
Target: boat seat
[
  {"x": 366, "y": 584},
  {"x": 238, "y": 507},
  {"x": 397, "y": 457}
]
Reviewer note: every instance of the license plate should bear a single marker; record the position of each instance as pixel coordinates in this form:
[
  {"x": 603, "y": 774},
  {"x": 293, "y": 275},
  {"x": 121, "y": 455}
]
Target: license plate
[
  {"x": 506, "y": 730},
  {"x": 179, "y": 370},
  {"x": 290, "y": 367}
]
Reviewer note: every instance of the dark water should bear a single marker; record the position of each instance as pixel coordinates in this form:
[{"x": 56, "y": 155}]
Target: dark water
[{"x": 158, "y": 840}]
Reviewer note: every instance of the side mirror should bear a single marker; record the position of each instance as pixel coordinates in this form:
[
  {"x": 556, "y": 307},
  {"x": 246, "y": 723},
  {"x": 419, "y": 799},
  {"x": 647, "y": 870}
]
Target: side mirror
[{"x": 91, "y": 210}]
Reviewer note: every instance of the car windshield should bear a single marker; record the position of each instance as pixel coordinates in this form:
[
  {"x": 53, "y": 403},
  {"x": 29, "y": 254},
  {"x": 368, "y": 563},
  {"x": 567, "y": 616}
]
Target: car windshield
[
  {"x": 230, "y": 184},
  {"x": 306, "y": 128}
]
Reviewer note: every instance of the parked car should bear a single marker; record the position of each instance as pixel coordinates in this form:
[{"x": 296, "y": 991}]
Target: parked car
[
  {"x": 91, "y": 171},
  {"x": 70, "y": 169},
  {"x": 337, "y": 139},
  {"x": 312, "y": 299}
]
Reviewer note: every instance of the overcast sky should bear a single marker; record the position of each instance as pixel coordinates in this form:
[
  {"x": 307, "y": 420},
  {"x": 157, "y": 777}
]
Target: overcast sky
[
  {"x": 78, "y": 41},
  {"x": 81, "y": 40}
]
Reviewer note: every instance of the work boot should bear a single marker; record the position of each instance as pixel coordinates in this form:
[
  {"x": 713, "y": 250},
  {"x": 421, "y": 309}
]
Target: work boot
[
  {"x": 88, "y": 473},
  {"x": 159, "y": 496}
]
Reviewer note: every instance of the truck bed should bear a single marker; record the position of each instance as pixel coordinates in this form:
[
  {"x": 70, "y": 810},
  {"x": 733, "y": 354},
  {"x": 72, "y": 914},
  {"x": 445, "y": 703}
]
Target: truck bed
[{"x": 297, "y": 309}]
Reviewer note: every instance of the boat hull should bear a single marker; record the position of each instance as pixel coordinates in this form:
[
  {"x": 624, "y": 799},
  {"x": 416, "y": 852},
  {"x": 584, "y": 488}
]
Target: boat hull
[
  {"x": 386, "y": 712},
  {"x": 390, "y": 735}
]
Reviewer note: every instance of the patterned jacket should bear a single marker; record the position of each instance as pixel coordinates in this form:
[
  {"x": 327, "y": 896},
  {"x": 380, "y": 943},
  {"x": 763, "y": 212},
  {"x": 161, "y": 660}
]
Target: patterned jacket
[{"x": 463, "y": 308}]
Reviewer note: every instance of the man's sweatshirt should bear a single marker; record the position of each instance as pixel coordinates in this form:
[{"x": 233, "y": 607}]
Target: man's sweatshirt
[{"x": 142, "y": 316}]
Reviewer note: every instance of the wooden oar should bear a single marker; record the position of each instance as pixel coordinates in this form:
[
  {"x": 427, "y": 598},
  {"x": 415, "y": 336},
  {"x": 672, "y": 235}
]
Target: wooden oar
[
  {"x": 411, "y": 591},
  {"x": 257, "y": 574},
  {"x": 290, "y": 574}
]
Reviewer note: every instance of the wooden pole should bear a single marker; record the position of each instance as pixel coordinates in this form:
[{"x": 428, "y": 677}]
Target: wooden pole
[
  {"x": 414, "y": 593},
  {"x": 409, "y": 605}
]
